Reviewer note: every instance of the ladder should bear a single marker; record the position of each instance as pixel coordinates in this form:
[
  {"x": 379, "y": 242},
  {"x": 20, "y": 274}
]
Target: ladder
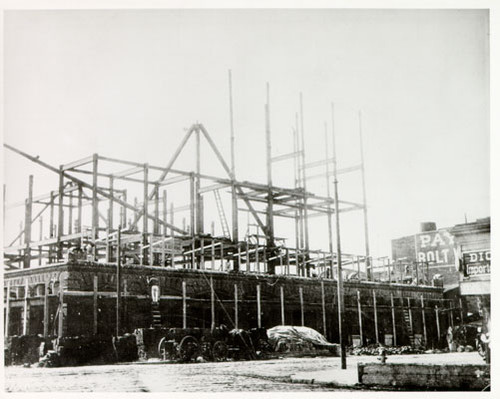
[
  {"x": 156, "y": 315},
  {"x": 408, "y": 325},
  {"x": 222, "y": 215}
]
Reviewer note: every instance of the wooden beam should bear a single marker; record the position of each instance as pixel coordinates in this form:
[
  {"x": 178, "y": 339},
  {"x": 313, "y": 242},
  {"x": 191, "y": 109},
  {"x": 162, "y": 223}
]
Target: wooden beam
[
  {"x": 282, "y": 303},
  {"x": 394, "y": 342},
  {"x": 95, "y": 204},
  {"x": 423, "y": 320},
  {"x": 7, "y": 311},
  {"x": 27, "y": 224},
  {"x": 83, "y": 183},
  {"x": 46, "y": 310},
  {"x": 301, "y": 297},
  {"x": 259, "y": 314},
  {"x": 212, "y": 304},
  {"x": 184, "y": 305},
  {"x": 375, "y": 318},
  {"x": 76, "y": 164},
  {"x": 236, "y": 324},
  {"x": 323, "y": 307},
  {"x": 95, "y": 304},
  {"x": 360, "y": 318}
]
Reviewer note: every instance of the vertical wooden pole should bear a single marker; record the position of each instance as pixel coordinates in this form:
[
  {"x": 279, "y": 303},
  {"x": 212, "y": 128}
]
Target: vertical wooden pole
[
  {"x": 375, "y": 317},
  {"x": 202, "y": 254},
  {"x": 184, "y": 305},
  {"x": 239, "y": 253},
  {"x": 365, "y": 206},
  {"x": 60, "y": 217},
  {"x": 212, "y": 253},
  {"x": 340, "y": 283},
  {"x": 301, "y": 296},
  {"x": 393, "y": 311},
  {"x": 172, "y": 233},
  {"x": 461, "y": 311},
  {"x": 96, "y": 305},
  {"x": 282, "y": 301},
  {"x": 287, "y": 261},
  {"x": 323, "y": 306},
  {"x": 304, "y": 185},
  {"x": 222, "y": 256},
  {"x": 438, "y": 330},
  {"x": 212, "y": 303},
  {"x": 46, "y": 310},
  {"x": 259, "y": 315},
  {"x": 124, "y": 210},
  {"x": 78, "y": 226},
  {"x": 198, "y": 197},
  {"x": 247, "y": 256},
  {"x": 26, "y": 309},
  {"x": 360, "y": 319},
  {"x": 296, "y": 170},
  {"x": 257, "y": 264},
  {"x": 234, "y": 197},
  {"x": 156, "y": 223},
  {"x": 270, "y": 199},
  {"x": 151, "y": 254},
  {"x": 40, "y": 238},
  {"x": 192, "y": 213},
  {"x": 124, "y": 307},
  {"x": 236, "y": 324},
  {"x": 118, "y": 283},
  {"x": 111, "y": 203},
  {"x": 145, "y": 212},
  {"x": 410, "y": 314},
  {"x": 7, "y": 300},
  {"x": 359, "y": 269},
  {"x": 423, "y": 319},
  {"x": 51, "y": 219},
  {"x": 164, "y": 244},
  {"x": 70, "y": 214},
  {"x": 61, "y": 328},
  {"x": 329, "y": 213},
  {"x": 95, "y": 204}
]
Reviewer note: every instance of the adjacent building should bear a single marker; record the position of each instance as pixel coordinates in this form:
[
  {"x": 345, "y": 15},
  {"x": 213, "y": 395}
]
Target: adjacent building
[{"x": 460, "y": 256}]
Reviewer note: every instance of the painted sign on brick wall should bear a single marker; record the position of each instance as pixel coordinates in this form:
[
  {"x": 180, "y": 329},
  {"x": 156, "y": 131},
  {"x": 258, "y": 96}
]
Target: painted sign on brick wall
[
  {"x": 436, "y": 247},
  {"x": 477, "y": 263}
]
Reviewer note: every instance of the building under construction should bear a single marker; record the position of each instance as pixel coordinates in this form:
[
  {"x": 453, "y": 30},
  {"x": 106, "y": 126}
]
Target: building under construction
[{"x": 104, "y": 264}]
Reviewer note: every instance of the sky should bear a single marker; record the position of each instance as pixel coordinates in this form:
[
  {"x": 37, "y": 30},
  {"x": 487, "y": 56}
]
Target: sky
[{"x": 128, "y": 83}]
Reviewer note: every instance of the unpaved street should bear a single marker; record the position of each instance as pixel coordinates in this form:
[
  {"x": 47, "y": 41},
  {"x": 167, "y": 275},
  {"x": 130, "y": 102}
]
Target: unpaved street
[{"x": 269, "y": 375}]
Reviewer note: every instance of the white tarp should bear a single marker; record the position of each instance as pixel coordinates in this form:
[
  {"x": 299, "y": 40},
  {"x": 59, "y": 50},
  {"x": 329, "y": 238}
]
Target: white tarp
[{"x": 288, "y": 337}]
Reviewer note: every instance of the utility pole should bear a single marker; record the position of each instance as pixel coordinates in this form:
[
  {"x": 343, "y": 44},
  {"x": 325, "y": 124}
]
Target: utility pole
[
  {"x": 340, "y": 284},
  {"x": 118, "y": 280},
  {"x": 234, "y": 197},
  {"x": 365, "y": 207},
  {"x": 269, "y": 213}
]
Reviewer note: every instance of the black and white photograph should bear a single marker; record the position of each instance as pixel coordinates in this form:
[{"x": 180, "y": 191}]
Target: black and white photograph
[{"x": 271, "y": 197}]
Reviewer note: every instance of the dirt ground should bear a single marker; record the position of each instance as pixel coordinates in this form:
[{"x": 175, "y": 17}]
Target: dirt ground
[{"x": 268, "y": 375}]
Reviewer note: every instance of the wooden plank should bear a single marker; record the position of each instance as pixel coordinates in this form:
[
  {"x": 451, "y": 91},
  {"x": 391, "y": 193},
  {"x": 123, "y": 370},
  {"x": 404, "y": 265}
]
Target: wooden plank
[
  {"x": 95, "y": 303},
  {"x": 259, "y": 314},
  {"x": 236, "y": 324}
]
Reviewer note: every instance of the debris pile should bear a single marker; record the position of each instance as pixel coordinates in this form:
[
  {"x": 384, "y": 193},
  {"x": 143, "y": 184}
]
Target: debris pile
[{"x": 373, "y": 350}]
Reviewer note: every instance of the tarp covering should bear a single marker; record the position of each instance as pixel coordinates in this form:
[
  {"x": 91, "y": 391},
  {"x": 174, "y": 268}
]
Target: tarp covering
[{"x": 286, "y": 338}]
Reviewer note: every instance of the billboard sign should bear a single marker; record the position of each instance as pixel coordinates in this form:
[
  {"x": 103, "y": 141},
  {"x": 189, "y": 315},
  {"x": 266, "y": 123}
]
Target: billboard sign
[
  {"x": 436, "y": 247},
  {"x": 477, "y": 263}
]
